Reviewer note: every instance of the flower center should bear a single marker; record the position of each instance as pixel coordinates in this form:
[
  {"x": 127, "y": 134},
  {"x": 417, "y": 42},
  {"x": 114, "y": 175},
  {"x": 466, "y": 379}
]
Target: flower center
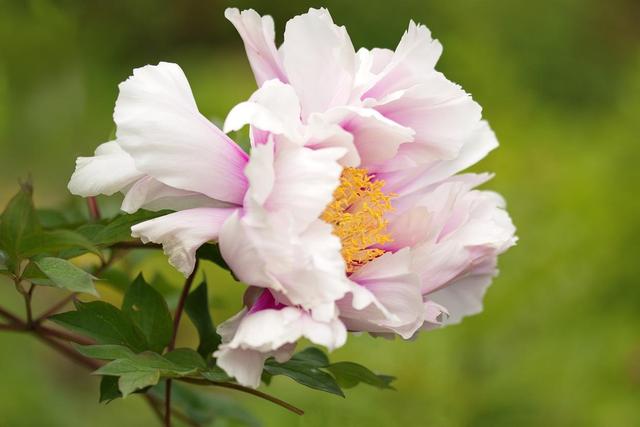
[{"x": 357, "y": 215}]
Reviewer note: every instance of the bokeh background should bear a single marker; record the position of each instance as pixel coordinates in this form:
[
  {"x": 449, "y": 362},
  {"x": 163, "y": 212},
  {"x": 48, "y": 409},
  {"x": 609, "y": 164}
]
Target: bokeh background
[{"x": 559, "y": 80}]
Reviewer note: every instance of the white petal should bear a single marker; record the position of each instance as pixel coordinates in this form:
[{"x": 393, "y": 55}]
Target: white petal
[
  {"x": 463, "y": 297},
  {"x": 375, "y": 137},
  {"x": 268, "y": 333},
  {"x": 274, "y": 107},
  {"x": 319, "y": 134},
  {"x": 305, "y": 180},
  {"x": 159, "y": 125},
  {"x": 397, "y": 302},
  {"x": 407, "y": 178},
  {"x": 258, "y": 36},
  {"x": 307, "y": 267},
  {"x": 415, "y": 56},
  {"x": 319, "y": 60},
  {"x": 110, "y": 170},
  {"x": 442, "y": 115},
  {"x": 151, "y": 194},
  {"x": 182, "y": 233}
]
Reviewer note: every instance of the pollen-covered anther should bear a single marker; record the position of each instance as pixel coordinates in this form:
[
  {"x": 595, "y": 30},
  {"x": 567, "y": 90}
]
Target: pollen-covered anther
[{"x": 357, "y": 214}]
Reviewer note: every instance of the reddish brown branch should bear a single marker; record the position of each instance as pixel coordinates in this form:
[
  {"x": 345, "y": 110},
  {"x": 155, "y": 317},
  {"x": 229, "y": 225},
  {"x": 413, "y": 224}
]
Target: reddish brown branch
[
  {"x": 172, "y": 344},
  {"x": 248, "y": 390}
]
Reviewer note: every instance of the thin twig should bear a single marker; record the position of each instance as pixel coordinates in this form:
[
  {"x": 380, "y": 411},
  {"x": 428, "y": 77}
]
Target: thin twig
[
  {"x": 12, "y": 327},
  {"x": 63, "y": 335},
  {"x": 172, "y": 344},
  {"x": 28, "y": 296},
  {"x": 55, "y": 308},
  {"x": 40, "y": 332},
  {"x": 69, "y": 352},
  {"x": 9, "y": 316},
  {"x": 248, "y": 390}
]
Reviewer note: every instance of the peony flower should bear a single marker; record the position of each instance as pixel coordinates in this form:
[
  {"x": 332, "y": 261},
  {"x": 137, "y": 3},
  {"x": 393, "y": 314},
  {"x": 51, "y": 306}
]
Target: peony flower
[{"x": 349, "y": 212}]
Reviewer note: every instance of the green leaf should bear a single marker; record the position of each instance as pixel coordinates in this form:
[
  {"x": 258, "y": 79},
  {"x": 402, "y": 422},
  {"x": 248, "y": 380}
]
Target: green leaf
[
  {"x": 312, "y": 356},
  {"x": 109, "y": 389},
  {"x": 146, "y": 361},
  {"x": 104, "y": 323},
  {"x": 197, "y": 308},
  {"x": 211, "y": 252},
  {"x": 65, "y": 275},
  {"x": 132, "y": 381},
  {"x": 215, "y": 374},
  {"x": 187, "y": 358},
  {"x": 105, "y": 351},
  {"x": 119, "y": 229},
  {"x": 18, "y": 220},
  {"x": 149, "y": 311},
  {"x": 304, "y": 374},
  {"x": 50, "y": 218},
  {"x": 349, "y": 374},
  {"x": 55, "y": 241}
]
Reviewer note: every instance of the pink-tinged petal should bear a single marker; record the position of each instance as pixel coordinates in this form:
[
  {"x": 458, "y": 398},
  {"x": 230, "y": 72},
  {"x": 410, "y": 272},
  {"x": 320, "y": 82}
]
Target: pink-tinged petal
[
  {"x": 319, "y": 60},
  {"x": 463, "y": 297},
  {"x": 149, "y": 193},
  {"x": 182, "y": 233},
  {"x": 405, "y": 177},
  {"x": 270, "y": 332},
  {"x": 409, "y": 228},
  {"x": 469, "y": 229},
  {"x": 321, "y": 134},
  {"x": 258, "y": 35},
  {"x": 396, "y": 304},
  {"x": 415, "y": 56},
  {"x": 442, "y": 115},
  {"x": 274, "y": 107},
  {"x": 159, "y": 125},
  {"x": 375, "y": 137},
  {"x": 305, "y": 180},
  {"x": 110, "y": 170},
  {"x": 306, "y": 267},
  {"x": 278, "y": 242}
]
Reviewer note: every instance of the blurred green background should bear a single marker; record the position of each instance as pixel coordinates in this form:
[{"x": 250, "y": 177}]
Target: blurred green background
[{"x": 559, "y": 341}]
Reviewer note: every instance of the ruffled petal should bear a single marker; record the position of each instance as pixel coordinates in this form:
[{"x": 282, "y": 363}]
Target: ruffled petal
[
  {"x": 159, "y": 125},
  {"x": 376, "y": 138},
  {"x": 110, "y": 170},
  {"x": 415, "y": 56},
  {"x": 182, "y": 233},
  {"x": 258, "y": 35},
  {"x": 442, "y": 115},
  {"x": 272, "y": 332},
  {"x": 319, "y": 60},
  {"x": 274, "y": 107},
  {"x": 396, "y": 301}
]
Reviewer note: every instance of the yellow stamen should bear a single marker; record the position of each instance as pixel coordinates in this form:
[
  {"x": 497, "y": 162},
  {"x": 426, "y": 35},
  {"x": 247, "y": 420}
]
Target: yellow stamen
[{"x": 357, "y": 215}]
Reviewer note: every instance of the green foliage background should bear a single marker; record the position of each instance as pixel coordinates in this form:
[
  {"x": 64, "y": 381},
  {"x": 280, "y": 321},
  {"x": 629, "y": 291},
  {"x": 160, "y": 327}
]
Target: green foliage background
[{"x": 559, "y": 80}]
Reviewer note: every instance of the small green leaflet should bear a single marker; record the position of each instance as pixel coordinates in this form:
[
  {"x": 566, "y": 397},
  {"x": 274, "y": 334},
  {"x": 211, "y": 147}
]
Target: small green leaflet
[
  {"x": 65, "y": 275},
  {"x": 311, "y": 367},
  {"x": 349, "y": 374},
  {"x": 18, "y": 220},
  {"x": 56, "y": 241},
  {"x": 104, "y": 323},
  {"x": 149, "y": 312}
]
